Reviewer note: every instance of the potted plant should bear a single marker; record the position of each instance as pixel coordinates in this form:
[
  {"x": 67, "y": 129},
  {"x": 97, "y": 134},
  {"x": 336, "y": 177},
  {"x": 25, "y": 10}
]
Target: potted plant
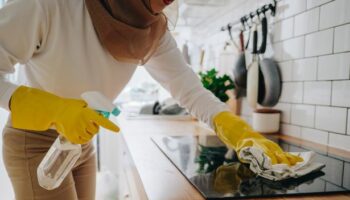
[{"x": 218, "y": 85}]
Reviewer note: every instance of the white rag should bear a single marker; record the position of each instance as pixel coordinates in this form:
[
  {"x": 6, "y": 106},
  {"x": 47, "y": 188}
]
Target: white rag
[{"x": 261, "y": 165}]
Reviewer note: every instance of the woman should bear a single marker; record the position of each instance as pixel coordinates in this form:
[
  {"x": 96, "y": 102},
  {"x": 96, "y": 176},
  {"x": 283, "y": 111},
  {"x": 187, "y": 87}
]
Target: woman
[{"x": 73, "y": 46}]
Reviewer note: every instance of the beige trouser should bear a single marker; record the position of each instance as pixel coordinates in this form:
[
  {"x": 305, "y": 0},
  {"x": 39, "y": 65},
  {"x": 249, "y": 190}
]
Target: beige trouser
[{"x": 22, "y": 153}]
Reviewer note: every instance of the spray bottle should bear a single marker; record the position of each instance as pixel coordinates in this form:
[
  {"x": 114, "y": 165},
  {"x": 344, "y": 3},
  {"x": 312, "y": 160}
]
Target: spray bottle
[{"x": 62, "y": 155}]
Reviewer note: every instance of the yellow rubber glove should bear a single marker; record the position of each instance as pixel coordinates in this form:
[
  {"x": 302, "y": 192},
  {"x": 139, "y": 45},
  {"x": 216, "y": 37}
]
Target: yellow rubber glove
[
  {"x": 33, "y": 109},
  {"x": 236, "y": 134}
]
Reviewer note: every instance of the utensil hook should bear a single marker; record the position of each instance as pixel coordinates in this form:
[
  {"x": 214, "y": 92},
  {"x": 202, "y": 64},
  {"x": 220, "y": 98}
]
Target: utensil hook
[
  {"x": 273, "y": 8},
  {"x": 258, "y": 12},
  {"x": 229, "y": 28},
  {"x": 243, "y": 24}
]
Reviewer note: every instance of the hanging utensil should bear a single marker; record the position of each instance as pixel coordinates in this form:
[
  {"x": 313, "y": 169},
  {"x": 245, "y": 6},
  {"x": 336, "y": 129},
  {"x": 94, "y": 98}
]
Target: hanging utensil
[
  {"x": 227, "y": 58},
  {"x": 253, "y": 72},
  {"x": 229, "y": 28},
  {"x": 270, "y": 78},
  {"x": 240, "y": 70}
]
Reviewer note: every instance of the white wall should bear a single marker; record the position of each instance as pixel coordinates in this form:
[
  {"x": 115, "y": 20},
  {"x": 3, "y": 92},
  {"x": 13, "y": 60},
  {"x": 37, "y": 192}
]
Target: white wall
[{"x": 311, "y": 41}]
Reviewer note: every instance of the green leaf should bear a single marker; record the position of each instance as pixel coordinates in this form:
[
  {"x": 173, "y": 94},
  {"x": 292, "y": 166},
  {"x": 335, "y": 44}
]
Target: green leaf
[{"x": 218, "y": 85}]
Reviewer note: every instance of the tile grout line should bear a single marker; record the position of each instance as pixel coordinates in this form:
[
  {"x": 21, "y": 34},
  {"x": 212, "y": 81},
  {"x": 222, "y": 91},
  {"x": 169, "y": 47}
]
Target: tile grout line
[
  {"x": 319, "y": 6},
  {"x": 316, "y": 105},
  {"x": 344, "y": 134},
  {"x": 310, "y": 81},
  {"x": 346, "y": 122},
  {"x": 323, "y": 130},
  {"x": 328, "y": 135},
  {"x": 306, "y": 34},
  {"x": 319, "y": 28},
  {"x": 333, "y": 48},
  {"x": 313, "y": 56},
  {"x": 312, "y": 32},
  {"x": 331, "y": 96},
  {"x": 319, "y": 18},
  {"x": 342, "y": 177}
]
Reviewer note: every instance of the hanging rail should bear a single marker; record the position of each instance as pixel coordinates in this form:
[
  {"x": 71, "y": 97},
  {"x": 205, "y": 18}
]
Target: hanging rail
[{"x": 263, "y": 9}]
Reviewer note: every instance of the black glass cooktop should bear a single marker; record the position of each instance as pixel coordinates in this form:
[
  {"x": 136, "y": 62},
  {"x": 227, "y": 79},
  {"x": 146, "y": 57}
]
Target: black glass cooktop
[{"x": 216, "y": 173}]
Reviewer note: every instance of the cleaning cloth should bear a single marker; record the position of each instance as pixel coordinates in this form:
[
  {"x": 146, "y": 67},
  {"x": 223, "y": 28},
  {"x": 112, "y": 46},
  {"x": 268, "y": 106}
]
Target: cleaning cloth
[{"x": 261, "y": 165}]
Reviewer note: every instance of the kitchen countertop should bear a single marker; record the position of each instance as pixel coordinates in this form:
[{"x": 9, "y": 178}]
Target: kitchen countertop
[{"x": 156, "y": 178}]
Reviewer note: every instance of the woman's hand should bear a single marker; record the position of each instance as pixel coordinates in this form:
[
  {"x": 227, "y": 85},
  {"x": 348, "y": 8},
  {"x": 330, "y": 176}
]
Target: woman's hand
[
  {"x": 236, "y": 134},
  {"x": 33, "y": 109}
]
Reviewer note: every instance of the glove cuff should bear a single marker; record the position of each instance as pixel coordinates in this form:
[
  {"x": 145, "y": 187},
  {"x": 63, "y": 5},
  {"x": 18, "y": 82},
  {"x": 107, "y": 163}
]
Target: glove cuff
[{"x": 31, "y": 110}]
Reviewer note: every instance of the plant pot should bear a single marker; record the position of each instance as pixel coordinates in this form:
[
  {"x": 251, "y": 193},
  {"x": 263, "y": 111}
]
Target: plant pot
[{"x": 266, "y": 121}]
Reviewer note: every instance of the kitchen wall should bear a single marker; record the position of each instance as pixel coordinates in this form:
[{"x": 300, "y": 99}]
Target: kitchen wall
[{"x": 311, "y": 42}]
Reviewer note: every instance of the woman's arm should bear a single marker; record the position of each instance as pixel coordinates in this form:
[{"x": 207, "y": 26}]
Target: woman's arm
[
  {"x": 169, "y": 68},
  {"x": 22, "y": 31},
  {"x": 6, "y": 91}
]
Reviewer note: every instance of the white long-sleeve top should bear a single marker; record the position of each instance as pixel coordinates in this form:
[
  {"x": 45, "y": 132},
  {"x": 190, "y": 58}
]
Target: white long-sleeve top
[{"x": 56, "y": 41}]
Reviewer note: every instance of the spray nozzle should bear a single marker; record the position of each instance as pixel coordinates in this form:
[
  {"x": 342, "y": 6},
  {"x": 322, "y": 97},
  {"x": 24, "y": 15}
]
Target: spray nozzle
[{"x": 100, "y": 103}]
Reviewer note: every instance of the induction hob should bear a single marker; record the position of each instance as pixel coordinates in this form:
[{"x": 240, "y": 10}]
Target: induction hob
[{"x": 216, "y": 173}]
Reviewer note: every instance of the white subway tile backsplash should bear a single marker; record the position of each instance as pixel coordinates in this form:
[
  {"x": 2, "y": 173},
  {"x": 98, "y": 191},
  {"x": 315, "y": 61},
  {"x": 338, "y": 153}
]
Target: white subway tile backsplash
[
  {"x": 286, "y": 111},
  {"x": 342, "y": 38},
  {"x": 283, "y": 29},
  {"x": 346, "y": 180},
  {"x": 348, "y": 127},
  {"x": 293, "y": 48},
  {"x": 306, "y": 22},
  {"x": 292, "y": 92},
  {"x": 334, "y": 67},
  {"x": 314, "y": 135},
  {"x": 331, "y": 119},
  {"x": 269, "y": 51},
  {"x": 335, "y": 13},
  {"x": 278, "y": 51},
  {"x": 319, "y": 43},
  {"x": 314, "y": 3},
  {"x": 305, "y": 69},
  {"x": 339, "y": 141},
  {"x": 341, "y": 93},
  {"x": 310, "y": 39},
  {"x": 279, "y": 15},
  {"x": 286, "y": 70},
  {"x": 291, "y": 8},
  {"x": 317, "y": 92},
  {"x": 303, "y": 115},
  {"x": 291, "y": 130}
]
